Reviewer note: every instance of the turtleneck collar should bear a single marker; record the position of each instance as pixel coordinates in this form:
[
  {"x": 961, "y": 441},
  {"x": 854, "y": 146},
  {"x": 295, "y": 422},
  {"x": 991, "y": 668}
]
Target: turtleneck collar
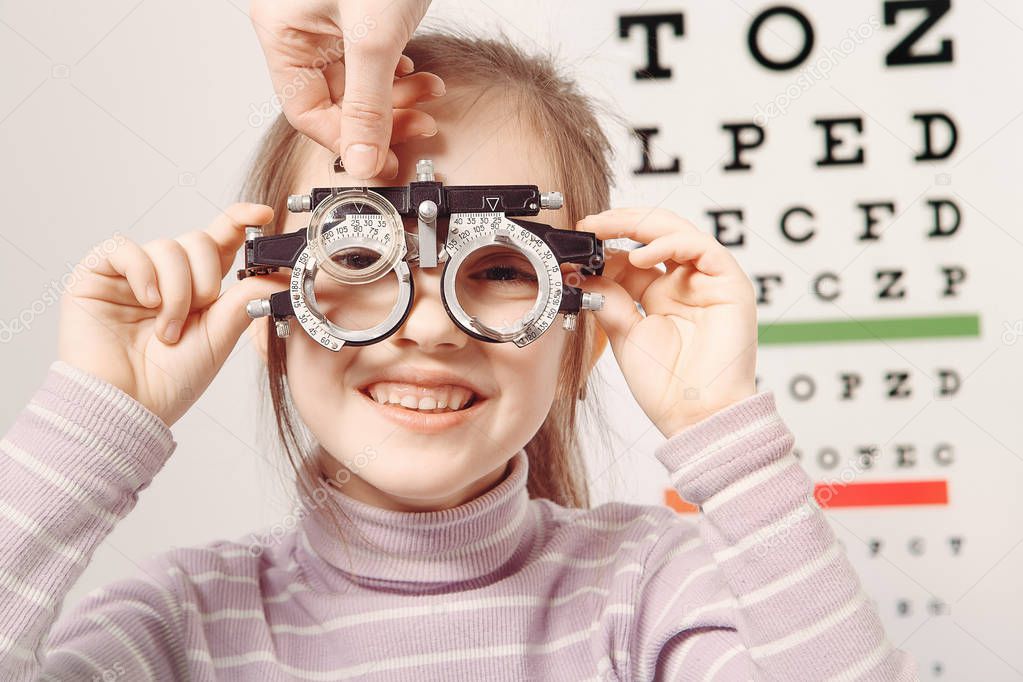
[{"x": 474, "y": 542}]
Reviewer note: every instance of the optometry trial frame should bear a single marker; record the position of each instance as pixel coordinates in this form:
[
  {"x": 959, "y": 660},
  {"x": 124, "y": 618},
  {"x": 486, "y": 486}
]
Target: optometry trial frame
[{"x": 501, "y": 278}]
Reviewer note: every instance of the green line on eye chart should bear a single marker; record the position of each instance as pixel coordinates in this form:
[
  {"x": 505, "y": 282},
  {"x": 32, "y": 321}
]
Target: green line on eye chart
[{"x": 875, "y": 329}]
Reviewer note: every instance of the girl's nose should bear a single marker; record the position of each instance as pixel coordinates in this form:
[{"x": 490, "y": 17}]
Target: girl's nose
[{"x": 428, "y": 324}]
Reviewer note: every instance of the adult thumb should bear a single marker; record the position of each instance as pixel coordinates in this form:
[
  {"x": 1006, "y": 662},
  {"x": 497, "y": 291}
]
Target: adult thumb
[{"x": 366, "y": 107}]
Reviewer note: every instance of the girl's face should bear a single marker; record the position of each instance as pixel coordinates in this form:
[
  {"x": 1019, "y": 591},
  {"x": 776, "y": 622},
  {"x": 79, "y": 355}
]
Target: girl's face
[{"x": 437, "y": 461}]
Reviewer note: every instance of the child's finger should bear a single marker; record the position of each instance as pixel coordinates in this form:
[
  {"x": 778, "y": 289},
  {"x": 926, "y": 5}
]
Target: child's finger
[
  {"x": 640, "y": 224},
  {"x": 227, "y": 317},
  {"x": 228, "y": 229},
  {"x": 205, "y": 265},
  {"x": 130, "y": 261},
  {"x": 409, "y": 123},
  {"x": 703, "y": 251},
  {"x": 638, "y": 280},
  {"x": 174, "y": 278},
  {"x": 418, "y": 87},
  {"x": 618, "y": 315},
  {"x": 405, "y": 66}
]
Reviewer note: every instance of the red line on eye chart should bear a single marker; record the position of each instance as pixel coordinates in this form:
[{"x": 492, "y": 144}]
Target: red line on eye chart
[{"x": 839, "y": 495}]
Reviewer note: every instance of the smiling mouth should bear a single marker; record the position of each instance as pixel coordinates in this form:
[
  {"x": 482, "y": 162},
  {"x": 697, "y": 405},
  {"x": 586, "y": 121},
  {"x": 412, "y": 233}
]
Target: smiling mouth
[{"x": 417, "y": 400}]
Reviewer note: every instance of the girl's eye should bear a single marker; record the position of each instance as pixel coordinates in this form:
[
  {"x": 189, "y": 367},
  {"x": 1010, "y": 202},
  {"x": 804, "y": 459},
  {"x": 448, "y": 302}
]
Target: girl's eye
[
  {"x": 505, "y": 272},
  {"x": 356, "y": 258}
]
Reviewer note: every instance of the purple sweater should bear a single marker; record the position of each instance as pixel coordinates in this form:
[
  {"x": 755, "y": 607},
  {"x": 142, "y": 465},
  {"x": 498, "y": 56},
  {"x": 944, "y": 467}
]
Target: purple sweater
[{"x": 502, "y": 587}]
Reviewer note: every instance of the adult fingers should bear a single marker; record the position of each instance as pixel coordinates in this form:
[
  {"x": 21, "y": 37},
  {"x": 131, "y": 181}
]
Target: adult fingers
[
  {"x": 406, "y": 91},
  {"x": 370, "y": 61},
  {"x": 366, "y": 109}
]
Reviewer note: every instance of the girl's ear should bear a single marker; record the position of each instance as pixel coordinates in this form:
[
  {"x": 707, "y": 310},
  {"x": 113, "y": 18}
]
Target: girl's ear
[{"x": 258, "y": 330}]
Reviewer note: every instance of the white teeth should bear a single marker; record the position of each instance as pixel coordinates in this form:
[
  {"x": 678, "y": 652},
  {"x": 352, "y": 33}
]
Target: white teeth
[{"x": 451, "y": 398}]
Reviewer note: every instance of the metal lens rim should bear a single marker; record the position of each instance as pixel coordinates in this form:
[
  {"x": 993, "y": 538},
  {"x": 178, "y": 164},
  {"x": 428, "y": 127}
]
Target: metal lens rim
[
  {"x": 358, "y": 336},
  {"x": 463, "y": 319},
  {"x": 317, "y": 229}
]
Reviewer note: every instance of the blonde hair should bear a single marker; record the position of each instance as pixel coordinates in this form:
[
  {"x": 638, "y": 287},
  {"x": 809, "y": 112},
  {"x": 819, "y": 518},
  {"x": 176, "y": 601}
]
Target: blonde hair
[{"x": 567, "y": 123}]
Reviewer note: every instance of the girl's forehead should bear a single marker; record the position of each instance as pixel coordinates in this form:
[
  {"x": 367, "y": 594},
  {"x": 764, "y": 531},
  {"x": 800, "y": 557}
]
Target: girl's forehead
[{"x": 486, "y": 146}]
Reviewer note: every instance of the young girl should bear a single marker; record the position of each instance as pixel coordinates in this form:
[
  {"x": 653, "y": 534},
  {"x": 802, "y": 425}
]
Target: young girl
[{"x": 438, "y": 542}]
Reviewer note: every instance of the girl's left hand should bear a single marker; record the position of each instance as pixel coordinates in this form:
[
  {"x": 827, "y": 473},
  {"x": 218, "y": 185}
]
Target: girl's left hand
[{"x": 695, "y": 351}]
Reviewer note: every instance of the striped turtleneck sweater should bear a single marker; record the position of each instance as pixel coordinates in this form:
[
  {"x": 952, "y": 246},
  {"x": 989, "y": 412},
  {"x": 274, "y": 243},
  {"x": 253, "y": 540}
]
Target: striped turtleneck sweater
[{"x": 502, "y": 587}]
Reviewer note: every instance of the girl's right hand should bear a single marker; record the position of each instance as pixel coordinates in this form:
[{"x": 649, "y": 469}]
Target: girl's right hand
[{"x": 151, "y": 319}]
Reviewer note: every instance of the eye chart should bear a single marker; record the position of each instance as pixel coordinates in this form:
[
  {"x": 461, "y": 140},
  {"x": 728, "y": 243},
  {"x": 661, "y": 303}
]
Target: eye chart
[{"x": 861, "y": 160}]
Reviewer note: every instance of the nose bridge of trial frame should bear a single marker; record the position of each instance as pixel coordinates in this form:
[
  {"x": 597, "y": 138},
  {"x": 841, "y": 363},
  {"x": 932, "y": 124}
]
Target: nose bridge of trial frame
[{"x": 428, "y": 200}]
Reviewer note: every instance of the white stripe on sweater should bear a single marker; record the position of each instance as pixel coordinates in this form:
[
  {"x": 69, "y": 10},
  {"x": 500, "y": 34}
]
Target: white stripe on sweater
[
  {"x": 790, "y": 579},
  {"x": 286, "y": 594},
  {"x": 397, "y": 663},
  {"x": 868, "y": 662},
  {"x": 749, "y": 482},
  {"x": 13, "y": 583},
  {"x": 673, "y": 670},
  {"x": 39, "y": 533},
  {"x": 91, "y": 662},
  {"x": 606, "y": 526},
  {"x": 694, "y": 617},
  {"x": 577, "y": 562},
  {"x": 380, "y": 615},
  {"x": 10, "y": 647},
  {"x": 209, "y": 576},
  {"x": 64, "y": 484},
  {"x": 134, "y": 410},
  {"x": 721, "y": 443},
  {"x": 809, "y": 632},
  {"x": 761, "y": 535},
  {"x": 436, "y": 609},
  {"x": 722, "y": 661},
  {"x": 125, "y": 639},
  {"x": 666, "y": 611},
  {"x": 89, "y": 440},
  {"x": 675, "y": 552}
]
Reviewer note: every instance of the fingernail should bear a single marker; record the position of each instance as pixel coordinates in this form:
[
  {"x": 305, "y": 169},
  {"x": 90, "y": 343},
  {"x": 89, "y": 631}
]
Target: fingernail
[
  {"x": 153, "y": 294},
  {"x": 438, "y": 90},
  {"x": 406, "y": 66},
  {"x": 360, "y": 160},
  {"x": 172, "y": 330},
  {"x": 429, "y": 133}
]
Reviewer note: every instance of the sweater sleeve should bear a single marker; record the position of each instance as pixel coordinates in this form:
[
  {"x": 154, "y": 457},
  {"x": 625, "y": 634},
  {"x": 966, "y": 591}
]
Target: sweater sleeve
[
  {"x": 774, "y": 596},
  {"x": 71, "y": 467}
]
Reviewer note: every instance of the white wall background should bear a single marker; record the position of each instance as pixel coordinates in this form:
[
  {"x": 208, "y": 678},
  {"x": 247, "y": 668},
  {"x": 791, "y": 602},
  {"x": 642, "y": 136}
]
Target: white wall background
[{"x": 137, "y": 116}]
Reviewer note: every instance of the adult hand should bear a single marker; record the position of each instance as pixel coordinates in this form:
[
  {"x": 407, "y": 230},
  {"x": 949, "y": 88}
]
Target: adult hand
[
  {"x": 695, "y": 351},
  {"x": 320, "y": 52}
]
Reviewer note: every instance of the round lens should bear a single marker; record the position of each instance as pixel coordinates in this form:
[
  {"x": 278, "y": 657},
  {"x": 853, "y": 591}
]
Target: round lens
[
  {"x": 354, "y": 307},
  {"x": 497, "y": 285},
  {"x": 356, "y": 218}
]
